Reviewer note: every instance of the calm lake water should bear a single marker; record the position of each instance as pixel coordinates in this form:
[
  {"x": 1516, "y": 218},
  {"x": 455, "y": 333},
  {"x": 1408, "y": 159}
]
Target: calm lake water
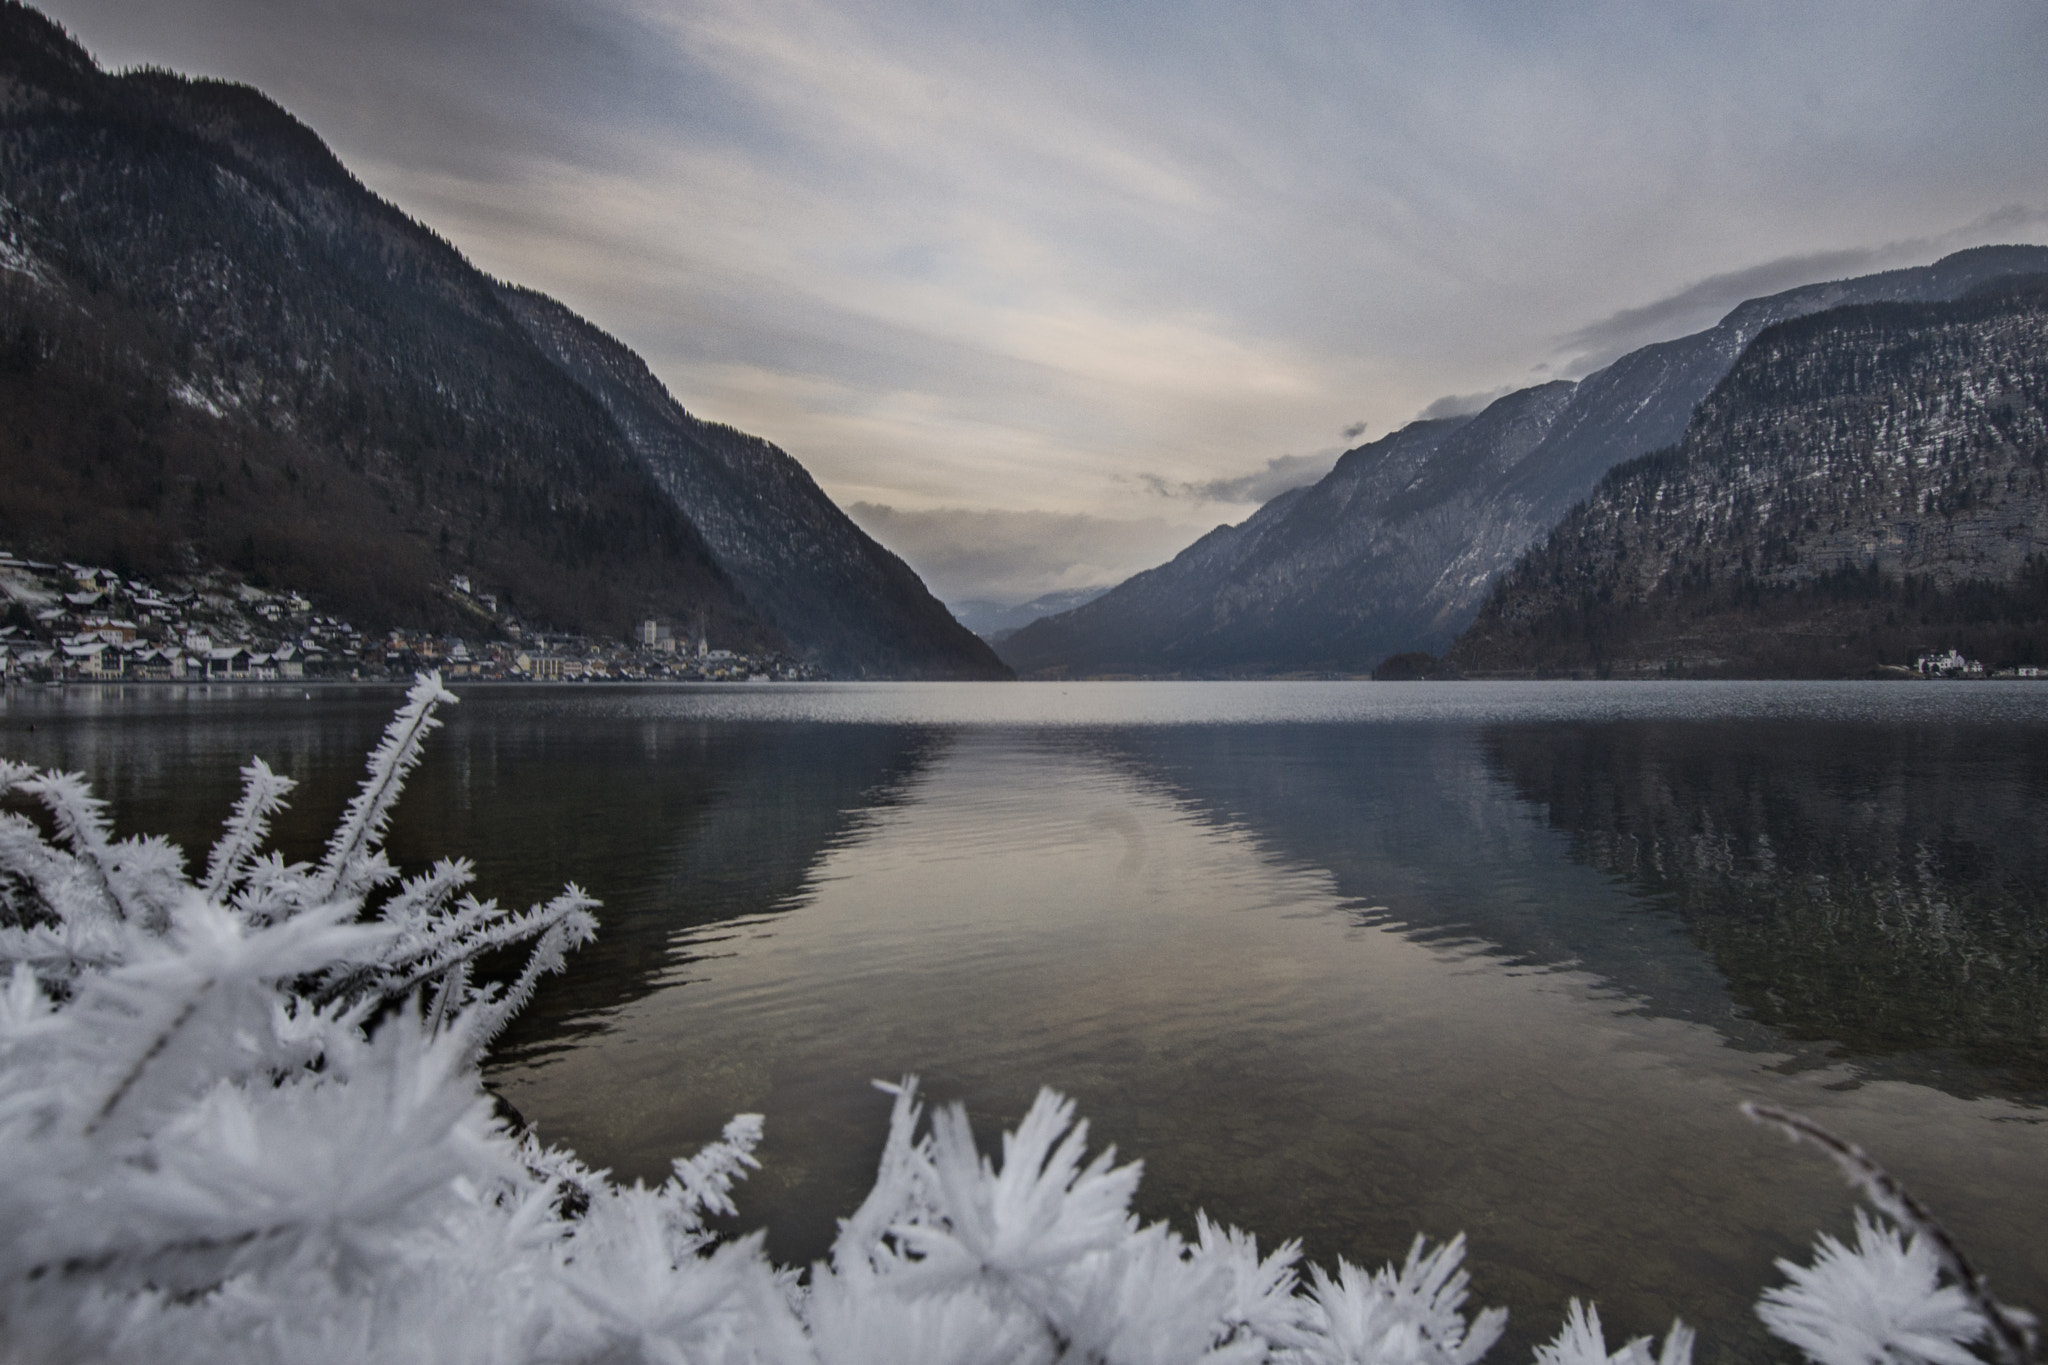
[{"x": 1338, "y": 961}]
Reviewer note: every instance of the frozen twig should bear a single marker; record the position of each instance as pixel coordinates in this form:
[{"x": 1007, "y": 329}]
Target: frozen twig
[
  {"x": 2012, "y": 1337},
  {"x": 345, "y": 870},
  {"x": 263, "y": 793}
]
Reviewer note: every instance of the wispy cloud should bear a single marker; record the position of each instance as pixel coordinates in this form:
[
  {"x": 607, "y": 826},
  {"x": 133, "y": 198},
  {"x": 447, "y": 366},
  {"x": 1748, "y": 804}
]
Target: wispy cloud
[
  {"x": 980, "y": 554},
  {"x": 1279, "y": 474},
  {"x": 1704, "y": 302},
  {"x": 1463, "y": 404}
]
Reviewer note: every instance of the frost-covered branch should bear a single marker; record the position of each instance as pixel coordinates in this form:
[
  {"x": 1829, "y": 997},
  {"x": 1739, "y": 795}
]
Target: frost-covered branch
[
  {"x": 263, "y": 793},
  {"x": 353, "y": 865},
  {"x": 1899, "y": 1313}
]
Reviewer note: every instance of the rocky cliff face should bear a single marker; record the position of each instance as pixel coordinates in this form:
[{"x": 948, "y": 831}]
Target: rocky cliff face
[
  {"x": 1866, "y": 483},
  {"x": 851, "y": 605},
  {"x": 217, "y": 347},
  {"x": 1397, "y": 547}
]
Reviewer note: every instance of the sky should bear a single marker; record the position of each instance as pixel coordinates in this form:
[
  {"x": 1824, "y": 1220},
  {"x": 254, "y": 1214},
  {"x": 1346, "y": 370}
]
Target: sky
[{"x": 1040, "y": 292}]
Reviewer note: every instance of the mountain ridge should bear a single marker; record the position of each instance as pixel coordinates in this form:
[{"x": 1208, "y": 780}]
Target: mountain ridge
[
  {"x": 1867, "y": 484},
  {"x": 802, "y": 562},
  {"x": 218, "y": 348},
  {"x": 1340, "y": 576}
]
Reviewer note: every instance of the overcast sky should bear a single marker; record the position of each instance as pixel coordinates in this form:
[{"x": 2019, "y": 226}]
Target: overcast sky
[{"x": 1073, "y": 282}]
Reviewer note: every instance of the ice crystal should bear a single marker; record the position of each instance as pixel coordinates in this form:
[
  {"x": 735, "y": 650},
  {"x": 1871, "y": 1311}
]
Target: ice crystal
[{"x": 1877, "y": 1303}]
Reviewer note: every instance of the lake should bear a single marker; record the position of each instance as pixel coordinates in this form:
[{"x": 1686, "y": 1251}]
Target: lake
[{"x": 1340, "y": 961}]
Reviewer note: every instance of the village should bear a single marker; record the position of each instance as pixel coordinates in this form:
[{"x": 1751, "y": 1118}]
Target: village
[
  {"x": 1951, "y": 664},
  {"x": 64, "y": 622}
]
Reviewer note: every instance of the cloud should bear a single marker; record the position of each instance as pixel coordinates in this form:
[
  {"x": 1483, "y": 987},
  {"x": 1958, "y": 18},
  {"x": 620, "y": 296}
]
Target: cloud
[
  {"x": 1705, "y": 302},
  {"x": 980, "y": 554},
  {"x": 1354, "y": 431},
  {"x": 1463, "y": 404},
  {"x": 1280, "y": 473}
]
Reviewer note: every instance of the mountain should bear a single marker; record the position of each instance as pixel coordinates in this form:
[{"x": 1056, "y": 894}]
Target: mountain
[
  {"x": 1397, "y": 547},
  {"x": 1866, "y": 484},
  {"x": 800, "y": 561},
  {"x": 219, "y": 349},
  {"x": 997, "y": 621},
  {"x": 1269, "y": 595}
]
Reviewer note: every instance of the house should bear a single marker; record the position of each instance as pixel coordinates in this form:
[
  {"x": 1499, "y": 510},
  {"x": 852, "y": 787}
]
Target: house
[
  {"x": 93, "y": 580},
  {"x": 1949, "y": 665},
  {"x": 97, "y": 661},
  {"x": 231, "y": 661},
  {"x": 108, "y": 629},
  {"x": 162, "y": 663},
  {"x": 31, "y": 656}
]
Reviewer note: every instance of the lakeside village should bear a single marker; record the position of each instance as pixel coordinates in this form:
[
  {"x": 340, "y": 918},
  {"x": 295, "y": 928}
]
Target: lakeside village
[{"x": 79, "y": 623}]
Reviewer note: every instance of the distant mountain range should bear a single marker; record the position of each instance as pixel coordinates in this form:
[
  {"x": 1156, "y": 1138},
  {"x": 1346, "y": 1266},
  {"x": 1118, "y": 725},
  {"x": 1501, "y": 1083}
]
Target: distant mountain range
[
  {"x": 218, "y": 348},
  {"x": 998, "y": 621},
  {"x": 1397, "y": 548},
  {"x": 1867, "y": 484}
]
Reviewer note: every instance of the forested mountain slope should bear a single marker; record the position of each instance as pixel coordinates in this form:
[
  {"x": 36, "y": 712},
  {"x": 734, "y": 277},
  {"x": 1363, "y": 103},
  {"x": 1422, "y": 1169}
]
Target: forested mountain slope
[
  {"x": 801, "y": 562},
  {"x": 218, "y": 348},
  {"x": 1316, "y": 578},
  {"x": 1396, "y": 548},
  {"x": 1866, "y": 484}
]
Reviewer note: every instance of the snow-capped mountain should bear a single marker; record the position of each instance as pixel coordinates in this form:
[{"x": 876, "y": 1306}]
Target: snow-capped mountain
[
  {"x": 217, "y": 347},
  {"x": 1867, "y": 485},
  {"x": 1398, "y": 546}
]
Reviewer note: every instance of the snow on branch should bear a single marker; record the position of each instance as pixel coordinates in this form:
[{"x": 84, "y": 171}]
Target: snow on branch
[
  {"x": 1882, "y": 1304},
  {"x": 263, "y": 793},
  {"x": 352, "y": 866}
]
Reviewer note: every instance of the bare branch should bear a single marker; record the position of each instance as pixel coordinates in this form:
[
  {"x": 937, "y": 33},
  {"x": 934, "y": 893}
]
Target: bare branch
[{"x": 2011, "y": 1336}]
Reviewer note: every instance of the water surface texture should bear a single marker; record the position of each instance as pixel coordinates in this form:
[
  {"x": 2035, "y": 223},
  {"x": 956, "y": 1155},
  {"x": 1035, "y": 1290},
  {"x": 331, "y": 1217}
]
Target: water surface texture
[{"x": 1337, "y": 961}]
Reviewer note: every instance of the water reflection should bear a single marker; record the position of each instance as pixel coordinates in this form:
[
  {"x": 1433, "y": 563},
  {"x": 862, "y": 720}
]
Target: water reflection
[
  {"x": 1385, "y": 961},
  {"x": 670, "y": 820},
  {"x": 672, "y": 823},
  {"x": 1884, "y": 889},
  {"x": 1418, "y": 833},
  {"x": 1269, "y": 960}
]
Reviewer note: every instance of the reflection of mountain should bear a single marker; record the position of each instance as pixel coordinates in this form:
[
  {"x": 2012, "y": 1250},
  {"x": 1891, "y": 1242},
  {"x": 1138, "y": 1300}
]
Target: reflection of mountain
[
  {"x": 673, "y": 824},
  {"x": 1883, "y": 889},
  {"x": 1886, "y": 889},
  {"x": 1419, "y": 834}
]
